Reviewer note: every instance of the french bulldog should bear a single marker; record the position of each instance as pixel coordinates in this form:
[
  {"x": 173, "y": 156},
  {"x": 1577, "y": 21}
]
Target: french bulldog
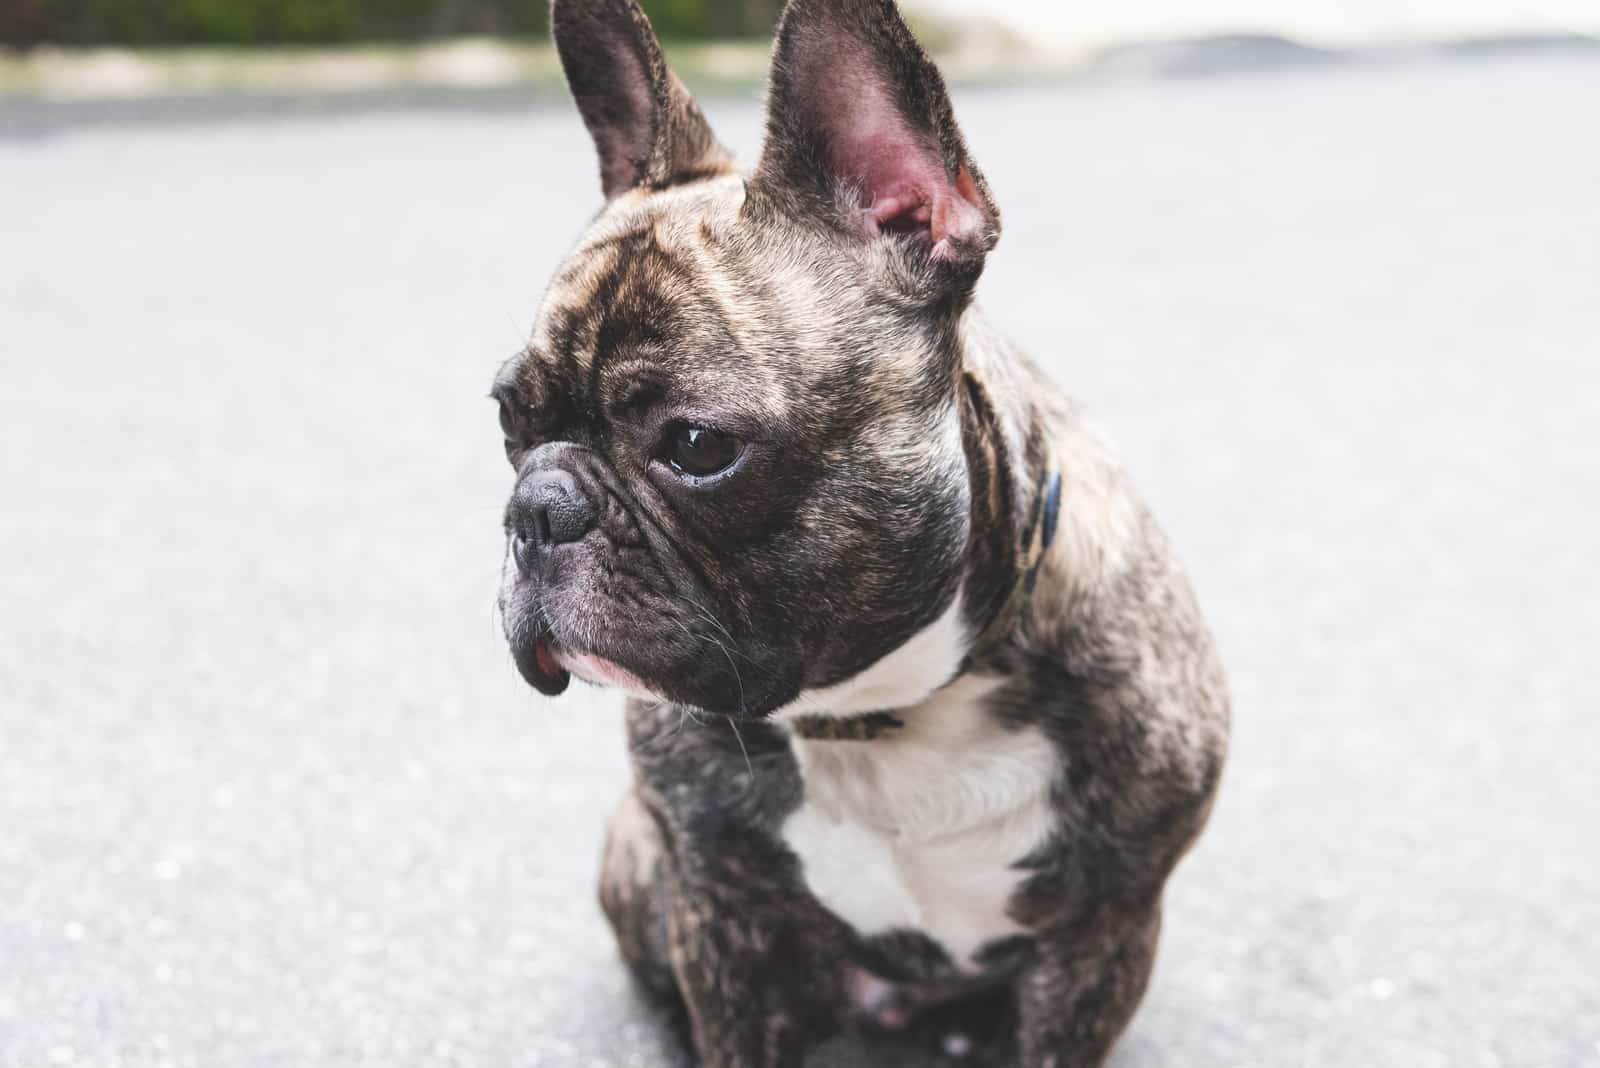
[{"x": 920, "y": 707}]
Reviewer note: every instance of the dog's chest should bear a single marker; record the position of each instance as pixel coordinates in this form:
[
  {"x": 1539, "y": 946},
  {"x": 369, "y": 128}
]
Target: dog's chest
[{"x": 922, "y": 828}]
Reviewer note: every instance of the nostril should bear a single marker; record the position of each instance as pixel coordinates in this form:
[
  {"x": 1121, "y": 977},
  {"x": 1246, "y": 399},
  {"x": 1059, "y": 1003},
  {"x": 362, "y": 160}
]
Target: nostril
[
  {"x": 541, "y": 527},
  {"x": 520, "y": 554}
]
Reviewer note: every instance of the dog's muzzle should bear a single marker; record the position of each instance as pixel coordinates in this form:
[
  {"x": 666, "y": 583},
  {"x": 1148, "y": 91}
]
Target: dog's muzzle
[{"x": 547, "y": 509}]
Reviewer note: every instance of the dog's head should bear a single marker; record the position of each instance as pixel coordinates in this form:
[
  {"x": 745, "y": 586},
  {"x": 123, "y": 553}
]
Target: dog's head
[{"x": 738, "y": 430}]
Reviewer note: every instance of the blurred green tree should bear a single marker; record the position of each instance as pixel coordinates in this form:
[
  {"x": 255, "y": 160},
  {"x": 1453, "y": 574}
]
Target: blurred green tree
[{"x": 248, "y": 22}]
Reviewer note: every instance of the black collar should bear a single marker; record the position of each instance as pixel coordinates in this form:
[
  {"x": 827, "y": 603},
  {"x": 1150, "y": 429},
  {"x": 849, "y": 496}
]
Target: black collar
[
  {"x": 862, "y": 728},
  {"x": 1037, "y": 534}
]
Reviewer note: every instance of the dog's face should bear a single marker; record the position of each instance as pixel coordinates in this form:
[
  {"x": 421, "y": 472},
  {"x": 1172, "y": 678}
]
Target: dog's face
[{"x": 737, "y": 431}]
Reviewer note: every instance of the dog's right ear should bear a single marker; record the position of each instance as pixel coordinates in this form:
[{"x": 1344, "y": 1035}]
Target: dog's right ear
[
  {"x": 856, "y": 106},
  {"x": 646, "y": 128}
]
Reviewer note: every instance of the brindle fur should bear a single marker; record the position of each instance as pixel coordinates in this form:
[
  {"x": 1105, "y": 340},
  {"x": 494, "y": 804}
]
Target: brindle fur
[{"x": 897, "y": 446}]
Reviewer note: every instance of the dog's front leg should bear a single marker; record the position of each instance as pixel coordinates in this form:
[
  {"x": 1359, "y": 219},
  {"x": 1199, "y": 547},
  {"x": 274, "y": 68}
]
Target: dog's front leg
[
  {"x": 1082, "y": 988},
  {"x": 755, "y": 994}
]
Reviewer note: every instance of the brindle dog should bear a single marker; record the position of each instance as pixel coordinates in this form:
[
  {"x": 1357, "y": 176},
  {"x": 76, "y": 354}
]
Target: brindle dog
[{"x": 921, "y": 704}]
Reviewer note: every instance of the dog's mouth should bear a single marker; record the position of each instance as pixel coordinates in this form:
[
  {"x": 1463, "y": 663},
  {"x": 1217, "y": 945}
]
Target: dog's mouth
[
  {"x": 549, "y": 668},
  {"x": 556, "y": 642},
  {"x": 539, "y": 666}
]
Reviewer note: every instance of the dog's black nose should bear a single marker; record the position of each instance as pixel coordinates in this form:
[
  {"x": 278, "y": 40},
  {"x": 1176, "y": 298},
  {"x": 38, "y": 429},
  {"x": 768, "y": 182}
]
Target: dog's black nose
[{"x": 547, "y": 510}]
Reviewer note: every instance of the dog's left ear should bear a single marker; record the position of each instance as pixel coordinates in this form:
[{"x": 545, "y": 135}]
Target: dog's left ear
[
  {"x": 856, "y": 106},
  {"x": 646, "y": 128}
]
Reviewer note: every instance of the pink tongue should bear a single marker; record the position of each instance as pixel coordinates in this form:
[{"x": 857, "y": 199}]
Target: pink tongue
[{"x": 547, "y": 660}]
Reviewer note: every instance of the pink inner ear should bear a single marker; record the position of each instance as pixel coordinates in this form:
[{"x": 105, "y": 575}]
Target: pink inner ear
[{"x": 902, "y": 172}]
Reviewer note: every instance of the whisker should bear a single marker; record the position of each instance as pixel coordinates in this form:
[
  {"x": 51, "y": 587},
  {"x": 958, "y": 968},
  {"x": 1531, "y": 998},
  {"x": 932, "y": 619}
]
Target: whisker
[
  {"x": 748, "y": 767},
  {"x": 705, "y": 614}
]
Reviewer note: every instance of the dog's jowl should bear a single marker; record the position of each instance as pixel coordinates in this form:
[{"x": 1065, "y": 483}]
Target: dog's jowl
[{"x": 921, "y": 710}]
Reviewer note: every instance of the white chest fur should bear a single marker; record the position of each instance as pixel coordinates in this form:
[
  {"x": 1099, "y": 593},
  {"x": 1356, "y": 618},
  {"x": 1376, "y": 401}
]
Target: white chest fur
[{"x": 922, "y": 827}]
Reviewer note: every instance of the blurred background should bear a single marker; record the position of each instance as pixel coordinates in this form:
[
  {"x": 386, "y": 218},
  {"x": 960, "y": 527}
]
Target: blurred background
[
  {"x": 271, "y": 792},
  {"x": 261, "y": 22}
]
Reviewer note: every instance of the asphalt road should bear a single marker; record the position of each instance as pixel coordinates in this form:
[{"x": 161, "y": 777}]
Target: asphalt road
[{"x": 272, "y": 794}]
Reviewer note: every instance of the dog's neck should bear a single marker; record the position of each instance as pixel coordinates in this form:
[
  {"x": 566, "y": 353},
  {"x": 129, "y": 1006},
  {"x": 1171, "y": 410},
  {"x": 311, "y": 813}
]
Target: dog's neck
[
  {"x": 1037, "y": 536},
  {"x": 1015, "y": 490}
]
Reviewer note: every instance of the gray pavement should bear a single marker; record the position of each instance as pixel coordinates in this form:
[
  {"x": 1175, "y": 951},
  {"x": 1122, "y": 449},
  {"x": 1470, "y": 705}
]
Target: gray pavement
[{"x": 272, "y": 794}]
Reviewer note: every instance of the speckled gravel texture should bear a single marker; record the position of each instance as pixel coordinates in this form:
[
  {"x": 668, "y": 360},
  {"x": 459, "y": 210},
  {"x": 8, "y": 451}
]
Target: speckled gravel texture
[{"x": 272, "y": 794}]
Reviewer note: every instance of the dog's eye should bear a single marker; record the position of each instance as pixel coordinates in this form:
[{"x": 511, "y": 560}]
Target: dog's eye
[
  {"x": 510, "y": 426},
  {"x": 522, "y": 426},
  {"x": 700, "y": 451}
]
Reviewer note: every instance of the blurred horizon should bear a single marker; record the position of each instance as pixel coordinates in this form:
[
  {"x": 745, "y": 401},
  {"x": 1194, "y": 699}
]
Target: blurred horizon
[{"x": 1038, "y": 24}]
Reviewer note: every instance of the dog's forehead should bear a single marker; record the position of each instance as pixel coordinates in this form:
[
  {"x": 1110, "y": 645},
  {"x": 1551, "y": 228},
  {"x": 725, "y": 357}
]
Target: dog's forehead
[
  {"x": 678, "y": 286},
  {"x": 661, "y": 282},
  {"x": 674, "y": 215}
]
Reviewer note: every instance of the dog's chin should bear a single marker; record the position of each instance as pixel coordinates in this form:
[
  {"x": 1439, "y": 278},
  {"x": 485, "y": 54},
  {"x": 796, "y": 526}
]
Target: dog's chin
[
  {"x": 598, "y": 671},
  {"x": 549, "y": 664},
  {"x": 703, "y": 675}
]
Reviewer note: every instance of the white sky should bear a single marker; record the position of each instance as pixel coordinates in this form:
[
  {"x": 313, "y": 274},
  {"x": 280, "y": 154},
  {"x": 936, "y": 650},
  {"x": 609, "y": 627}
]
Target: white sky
[{"x": 1087, "y": 23}]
